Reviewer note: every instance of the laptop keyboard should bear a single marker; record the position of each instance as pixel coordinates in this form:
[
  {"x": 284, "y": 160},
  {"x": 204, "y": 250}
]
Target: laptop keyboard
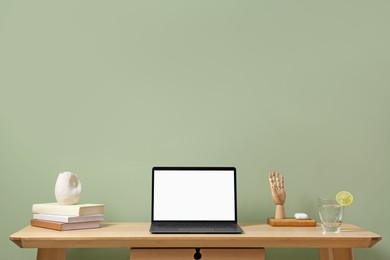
[{"x": 195, "y": 225}]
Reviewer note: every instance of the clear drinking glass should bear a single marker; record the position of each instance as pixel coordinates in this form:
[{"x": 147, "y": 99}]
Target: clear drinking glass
[{"x": 331, "y": 214}]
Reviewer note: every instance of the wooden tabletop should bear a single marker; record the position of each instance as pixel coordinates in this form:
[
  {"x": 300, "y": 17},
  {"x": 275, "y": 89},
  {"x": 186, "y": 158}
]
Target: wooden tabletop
[{"x": 137, "y": 235}]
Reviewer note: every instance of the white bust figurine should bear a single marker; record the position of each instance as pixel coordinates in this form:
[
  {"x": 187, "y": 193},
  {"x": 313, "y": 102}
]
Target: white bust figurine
[{"x": 68, "y": 188}]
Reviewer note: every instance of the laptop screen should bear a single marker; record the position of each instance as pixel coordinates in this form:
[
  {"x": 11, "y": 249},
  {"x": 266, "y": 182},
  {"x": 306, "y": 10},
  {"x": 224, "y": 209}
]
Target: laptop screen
[{"x": 194, "y": 194}]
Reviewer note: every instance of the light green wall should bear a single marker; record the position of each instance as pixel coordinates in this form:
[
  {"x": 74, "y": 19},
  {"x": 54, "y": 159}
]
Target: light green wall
[{"x": 108, "y": 89}]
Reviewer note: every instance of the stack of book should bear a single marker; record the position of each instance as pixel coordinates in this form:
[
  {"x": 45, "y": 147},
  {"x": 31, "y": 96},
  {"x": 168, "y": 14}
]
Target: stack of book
[{"x": 67, "y": 217}]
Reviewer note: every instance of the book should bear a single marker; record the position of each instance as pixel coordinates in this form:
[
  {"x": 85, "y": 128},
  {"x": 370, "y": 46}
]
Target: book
[
  {"x": 64, "y": 226},
  {"x": 68, "y": 219},
  {"x": 69, "y": 210}
]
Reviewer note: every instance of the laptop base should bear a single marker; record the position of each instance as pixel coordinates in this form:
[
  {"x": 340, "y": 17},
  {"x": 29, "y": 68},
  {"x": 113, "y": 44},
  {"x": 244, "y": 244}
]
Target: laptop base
[{"x": 195, "y": 228}]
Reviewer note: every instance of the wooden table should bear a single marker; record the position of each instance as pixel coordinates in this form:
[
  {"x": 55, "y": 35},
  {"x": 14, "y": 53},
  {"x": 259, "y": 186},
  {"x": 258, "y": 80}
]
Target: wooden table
[{"x": 52, "y": 244}]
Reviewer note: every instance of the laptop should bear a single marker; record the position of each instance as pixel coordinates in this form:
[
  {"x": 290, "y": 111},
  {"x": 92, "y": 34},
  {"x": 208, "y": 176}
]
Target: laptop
[{"x": 194, "y": 200}]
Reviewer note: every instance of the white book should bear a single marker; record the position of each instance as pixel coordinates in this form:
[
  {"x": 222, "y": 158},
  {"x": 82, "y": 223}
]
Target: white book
[
  {"x": 70, "y": 210},
  {"x": 69, "y": 219}
]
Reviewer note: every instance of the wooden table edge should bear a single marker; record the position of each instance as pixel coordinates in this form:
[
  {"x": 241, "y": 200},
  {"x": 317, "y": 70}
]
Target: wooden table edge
[
  {"x": 166, "y": 242},
  {"x": 17, "y": 241}
]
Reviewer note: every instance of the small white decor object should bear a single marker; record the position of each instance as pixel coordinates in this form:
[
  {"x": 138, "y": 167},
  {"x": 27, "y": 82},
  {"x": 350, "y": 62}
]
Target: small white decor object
[
  {"x": 68, "y": 188},
  {"x": 301, "y": 216}
]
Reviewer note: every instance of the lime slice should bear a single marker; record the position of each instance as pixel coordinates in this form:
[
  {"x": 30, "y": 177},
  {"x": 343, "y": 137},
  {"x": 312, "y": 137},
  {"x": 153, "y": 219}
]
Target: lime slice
[{"x": 344, "y": 198}]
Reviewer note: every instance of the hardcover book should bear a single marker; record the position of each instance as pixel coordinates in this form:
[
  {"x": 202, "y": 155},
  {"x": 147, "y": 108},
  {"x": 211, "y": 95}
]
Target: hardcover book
[
  {"x": 64, "y": 226},
  {"x": 68, "y": 219},
  {"x": 70, "y": 210}
]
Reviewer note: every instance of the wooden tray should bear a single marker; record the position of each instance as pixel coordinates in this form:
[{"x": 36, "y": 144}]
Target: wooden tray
[{"x": 291, "y": 222}]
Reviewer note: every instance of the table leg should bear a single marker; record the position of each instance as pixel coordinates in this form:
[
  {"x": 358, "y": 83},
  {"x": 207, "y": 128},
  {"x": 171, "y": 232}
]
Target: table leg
[
  {"x": 51, "y": 254},
  {"x": 336, "y": 254}
]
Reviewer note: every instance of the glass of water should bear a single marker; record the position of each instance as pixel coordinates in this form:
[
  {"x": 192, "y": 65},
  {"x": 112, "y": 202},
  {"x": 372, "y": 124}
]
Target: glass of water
[{"x": 331, "y": 214}]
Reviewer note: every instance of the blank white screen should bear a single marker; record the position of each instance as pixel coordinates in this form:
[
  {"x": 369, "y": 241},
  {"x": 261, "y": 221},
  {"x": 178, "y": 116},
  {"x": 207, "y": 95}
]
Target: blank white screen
[{"x": 194, "y": 195}]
